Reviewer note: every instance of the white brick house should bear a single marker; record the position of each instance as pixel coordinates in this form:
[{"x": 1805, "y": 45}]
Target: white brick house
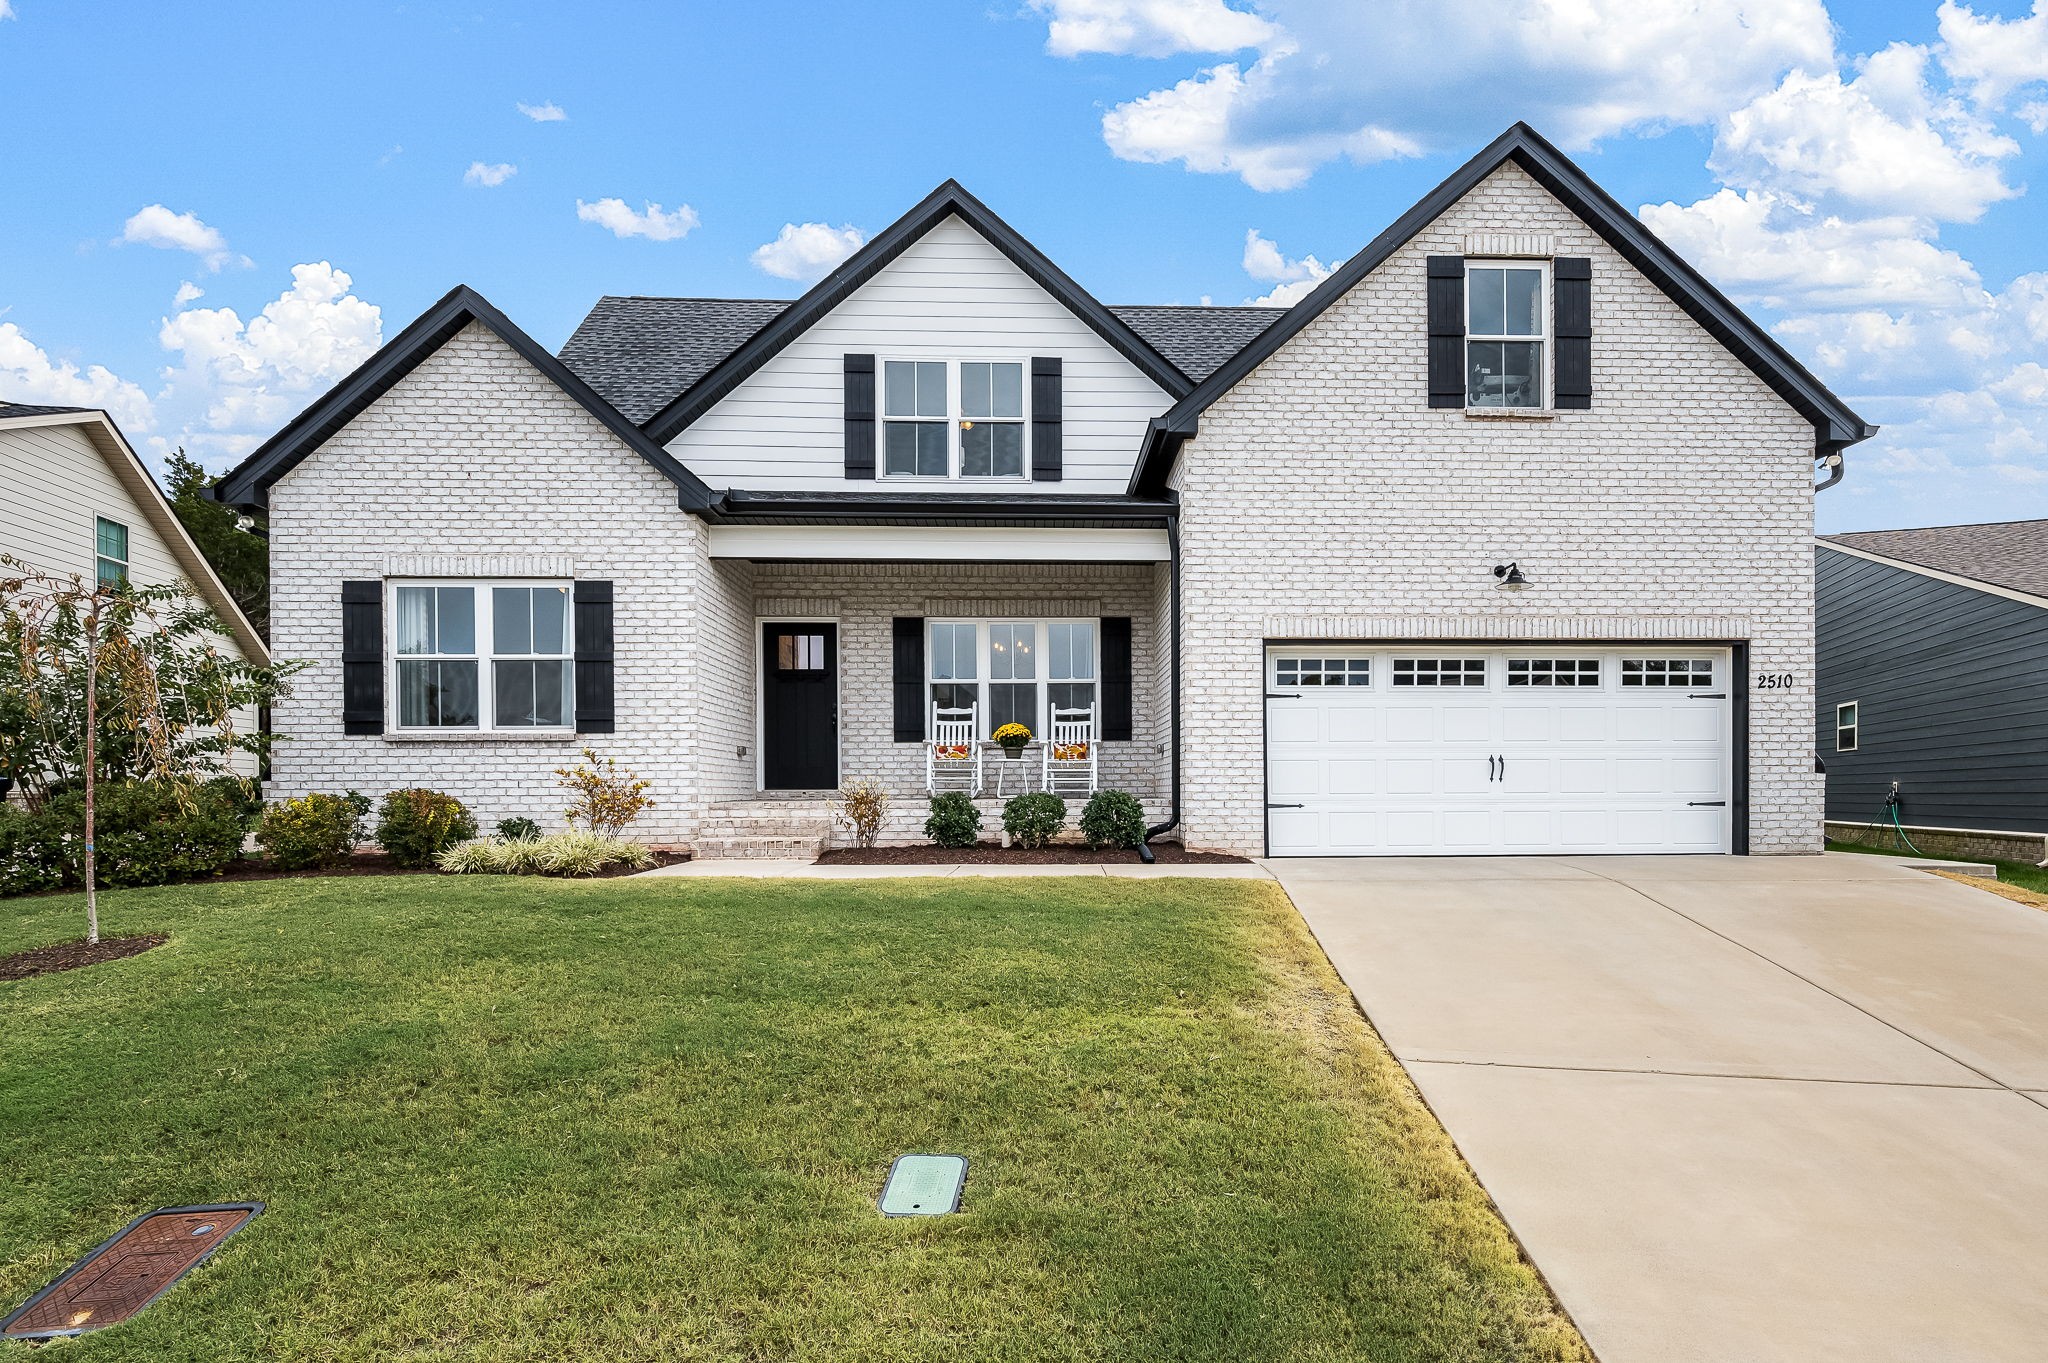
[{"x": 1497, "y": 542}]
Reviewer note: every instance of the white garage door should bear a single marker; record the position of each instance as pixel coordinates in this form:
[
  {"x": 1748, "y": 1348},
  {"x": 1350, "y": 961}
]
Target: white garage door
[{"x": 1434, "y": 750}]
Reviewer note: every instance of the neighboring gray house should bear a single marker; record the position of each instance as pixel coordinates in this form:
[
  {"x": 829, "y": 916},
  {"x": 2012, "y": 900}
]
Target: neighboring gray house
[
  {"x": 1475, "y": 549},
  {"x": 1933, "y": 675}
]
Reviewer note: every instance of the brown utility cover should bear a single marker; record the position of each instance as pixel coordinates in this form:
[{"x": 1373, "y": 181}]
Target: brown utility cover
[{"x": 128, "y": 1272}]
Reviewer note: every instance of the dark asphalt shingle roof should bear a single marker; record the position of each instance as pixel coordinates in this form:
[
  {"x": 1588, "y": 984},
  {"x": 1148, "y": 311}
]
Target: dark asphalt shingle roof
[
  {"x": 2010, "y": 554},
  {"x": 13, "y": 409},
  {"x": 640, "y": 353}
]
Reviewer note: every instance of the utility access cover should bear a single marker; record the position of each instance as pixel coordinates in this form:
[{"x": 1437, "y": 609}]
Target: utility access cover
[
  {"x": 924, "y": 1185},
  {"x": 128, "y": 1272}
]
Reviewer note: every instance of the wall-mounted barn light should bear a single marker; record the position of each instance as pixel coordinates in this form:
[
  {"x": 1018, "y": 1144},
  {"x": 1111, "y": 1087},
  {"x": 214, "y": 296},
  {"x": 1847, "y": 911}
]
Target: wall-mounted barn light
[{"x": 1510, "y": 575}]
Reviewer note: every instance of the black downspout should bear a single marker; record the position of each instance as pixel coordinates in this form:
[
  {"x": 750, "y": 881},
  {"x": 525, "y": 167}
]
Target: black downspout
[{"x": 1173, "y": 594}]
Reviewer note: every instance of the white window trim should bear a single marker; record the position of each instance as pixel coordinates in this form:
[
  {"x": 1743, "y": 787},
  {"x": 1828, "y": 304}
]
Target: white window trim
[
  {"x": 1546, "y": 356},
  {"x": 127, "y": 536},
  {"x": 1042, "y": 642},
  {"x": 953, "y": 419},
  {"x": 486, "y": 679},
  {"x": 1855, "y": 726}
]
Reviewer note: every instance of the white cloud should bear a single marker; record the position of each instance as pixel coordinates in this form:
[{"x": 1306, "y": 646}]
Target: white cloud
[
  {"x": 240, "y": 380},
  {"x": 1336, "y": 79},
  {"x": 1149, "y": 28},
  {"x": 1882, "y": 143},
  {"x": 807, "y": 251},
  {"x": 488, "y": 176},
  {"x": 1994, "y": 57},
  {"x": 28, "y": 374},
  {"x": 549, "y": 112},
  {"x": 651, "y": 222},
  {"x": 187, "y": 292},
  {"x": 167, "y": 231},
  {"x": 1292, "y": 280}
]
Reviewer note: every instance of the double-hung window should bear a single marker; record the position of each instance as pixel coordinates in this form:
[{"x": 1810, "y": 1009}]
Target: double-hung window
[
  {"x": 482, "y": 656},
  {"x": 1506, "y": 331},
  {"x": 953, "y": 419},
  {"x": 1846, "y": 727},
  {"x": 111, "y": 541},
  {"x": 1016, "y": 671}
]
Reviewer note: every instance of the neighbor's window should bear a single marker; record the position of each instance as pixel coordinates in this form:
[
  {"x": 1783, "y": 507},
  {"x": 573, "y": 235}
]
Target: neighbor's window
[
  {"x": 112, "y": 543},
  {"x": 443, "y": 635},
  {"x": 948, "y": 420},
  {"x": 1845, "y": 727},
  {"x": 1016, "y": 671},
  {"x": 1505, "y": 327}
]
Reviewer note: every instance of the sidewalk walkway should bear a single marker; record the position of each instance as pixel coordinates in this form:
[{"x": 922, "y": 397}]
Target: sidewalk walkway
[{"x": 806, "y": 870}]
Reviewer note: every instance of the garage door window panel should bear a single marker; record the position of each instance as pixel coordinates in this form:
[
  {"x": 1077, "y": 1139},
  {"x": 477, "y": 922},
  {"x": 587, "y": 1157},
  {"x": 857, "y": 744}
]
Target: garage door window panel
[
  {"x": 1292, "y": 672},
  {"x": 1667, "y": 672},
  {"x": 1553, "y": 672},
  {"x": 1439, "y": 671}
]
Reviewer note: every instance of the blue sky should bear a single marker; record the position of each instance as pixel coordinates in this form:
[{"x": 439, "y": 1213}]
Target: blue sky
[{"x": 211, "y": 211}]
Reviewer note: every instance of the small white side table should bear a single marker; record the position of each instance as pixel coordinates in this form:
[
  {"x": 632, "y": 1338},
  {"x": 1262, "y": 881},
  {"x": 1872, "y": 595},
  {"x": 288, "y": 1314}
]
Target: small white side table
[{"x": 1024, "y": 766}]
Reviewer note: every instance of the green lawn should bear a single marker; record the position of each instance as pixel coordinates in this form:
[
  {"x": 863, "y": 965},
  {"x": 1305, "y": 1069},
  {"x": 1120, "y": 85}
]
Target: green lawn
[{"x": 513, "y": 1119}]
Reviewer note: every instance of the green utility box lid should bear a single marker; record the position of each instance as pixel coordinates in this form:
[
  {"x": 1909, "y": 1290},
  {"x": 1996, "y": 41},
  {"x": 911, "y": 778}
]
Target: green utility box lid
[{"x": 924, "y": 1185}]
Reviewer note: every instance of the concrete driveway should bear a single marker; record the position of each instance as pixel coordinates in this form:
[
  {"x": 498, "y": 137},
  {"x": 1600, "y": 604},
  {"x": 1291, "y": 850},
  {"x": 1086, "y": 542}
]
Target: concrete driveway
[{"x": 1737, "y": 1109}]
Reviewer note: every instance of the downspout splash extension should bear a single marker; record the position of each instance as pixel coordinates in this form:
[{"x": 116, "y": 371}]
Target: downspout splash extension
[{"x": 1172, "y": 820}]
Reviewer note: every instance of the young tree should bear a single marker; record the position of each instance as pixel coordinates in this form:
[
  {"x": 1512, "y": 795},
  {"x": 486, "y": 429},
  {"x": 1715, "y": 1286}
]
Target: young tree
[
  {"x": 241, "y": 557},
  {"x": 112, "y": 680}
]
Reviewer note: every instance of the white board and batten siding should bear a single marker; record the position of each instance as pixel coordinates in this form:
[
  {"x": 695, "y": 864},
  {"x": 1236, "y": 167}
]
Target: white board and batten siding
[{"x": 950, "y": 296}]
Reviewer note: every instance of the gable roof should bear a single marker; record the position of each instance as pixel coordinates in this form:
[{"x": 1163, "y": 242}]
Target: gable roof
[
  {"x": 948, "y": 200},
  {"x": 248, "y": 483},
  {"x": 640, "y": 354},
  {"x": 2008, "y": 554},
  {"x": 1835, "y": 425},
  {"x": 134, "y": 476}
]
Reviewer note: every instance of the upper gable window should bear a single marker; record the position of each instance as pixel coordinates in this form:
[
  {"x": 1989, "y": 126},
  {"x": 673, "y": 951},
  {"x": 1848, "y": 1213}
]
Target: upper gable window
[
  {"x": 952, "y": 419},
  {"x": 1507, "y": 327}
]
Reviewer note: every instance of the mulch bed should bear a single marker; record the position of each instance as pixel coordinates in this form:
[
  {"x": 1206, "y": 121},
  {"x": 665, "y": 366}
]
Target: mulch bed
[
  {"x": 991, "y": 853},
  {"x": 380, "y": 864},
  {"x": 71, "y": 955}
]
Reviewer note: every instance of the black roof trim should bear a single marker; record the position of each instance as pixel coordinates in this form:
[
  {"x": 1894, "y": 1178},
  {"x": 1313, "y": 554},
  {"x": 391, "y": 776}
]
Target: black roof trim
[
  {"x": 11, "y": 410},
  {"x": 248, "y": 483},
  {"x": 910, "y": 508},
  {"x": 1835, "y": 424},
  {"x": 948, "y": 199}
]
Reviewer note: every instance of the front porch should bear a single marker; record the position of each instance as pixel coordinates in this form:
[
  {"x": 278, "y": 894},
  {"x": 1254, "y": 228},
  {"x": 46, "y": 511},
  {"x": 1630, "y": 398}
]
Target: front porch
[{"x": 847, "y": 662}]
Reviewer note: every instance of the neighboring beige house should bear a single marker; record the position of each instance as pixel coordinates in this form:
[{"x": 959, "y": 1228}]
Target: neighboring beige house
[
  {"x": 75, "y": 499},
  {"x": 1498, "y": 541}
]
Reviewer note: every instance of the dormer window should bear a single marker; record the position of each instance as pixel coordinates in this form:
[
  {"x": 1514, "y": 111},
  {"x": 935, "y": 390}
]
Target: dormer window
[
  {"x": 952, "y": 419},
  {"x": 1506, "y": 331}
]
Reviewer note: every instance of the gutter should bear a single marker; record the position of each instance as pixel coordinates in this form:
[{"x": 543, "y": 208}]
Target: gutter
[{"x": 1173, "y": 809}]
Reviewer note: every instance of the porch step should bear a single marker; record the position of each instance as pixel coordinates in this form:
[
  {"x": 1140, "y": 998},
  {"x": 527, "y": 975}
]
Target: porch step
[{"x": 757, "y": 848}]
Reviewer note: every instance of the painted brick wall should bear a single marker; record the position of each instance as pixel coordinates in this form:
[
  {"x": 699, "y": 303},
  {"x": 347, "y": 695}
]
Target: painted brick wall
[
  {"x": 475, "y": 456},
  {"x": 1323, "y": 498},
  {"x": 866, "y": 597}
]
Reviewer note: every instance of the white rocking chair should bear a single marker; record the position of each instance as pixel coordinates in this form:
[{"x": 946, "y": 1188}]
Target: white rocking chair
[
  {"x": 1070, "y": 753},
  {"x": 952, "y": 757}
]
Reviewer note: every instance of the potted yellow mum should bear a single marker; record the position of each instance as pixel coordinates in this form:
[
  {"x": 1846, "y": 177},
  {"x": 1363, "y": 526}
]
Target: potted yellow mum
[{"x": 1012, "y": 738}]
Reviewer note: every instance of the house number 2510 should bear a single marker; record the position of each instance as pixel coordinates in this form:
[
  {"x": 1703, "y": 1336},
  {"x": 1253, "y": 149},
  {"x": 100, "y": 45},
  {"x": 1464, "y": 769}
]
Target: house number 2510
[{"x": 1774, "y": 681}]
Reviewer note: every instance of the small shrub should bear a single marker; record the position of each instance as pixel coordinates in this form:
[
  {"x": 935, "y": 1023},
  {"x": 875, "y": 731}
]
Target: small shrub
[
  {"x": 32, "y": 853},
  {"x": 954, "y": 821},
  {"x": 559, "y": 854},
  {"x": 415, "y": 826},
  {"x": 862, "y": 807},
  {"x": 241, "y": 794},
  {"x": 312, "y": 830},
  {"x": 150, "y": 833},
  {"x": 1113, "y": 819},
  {"x": 517, "y": 830},
  {"x": 1034, "y": 819},
  {"x": 607, "y": 799}
]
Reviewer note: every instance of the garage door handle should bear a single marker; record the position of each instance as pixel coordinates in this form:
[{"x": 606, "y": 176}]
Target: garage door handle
[
  {"x": 1287, "y": 806},
  {"x": 1282, "y": 695},
  {"x": 1706, "y": 804},
  {"x": 1709, "y": 695}
]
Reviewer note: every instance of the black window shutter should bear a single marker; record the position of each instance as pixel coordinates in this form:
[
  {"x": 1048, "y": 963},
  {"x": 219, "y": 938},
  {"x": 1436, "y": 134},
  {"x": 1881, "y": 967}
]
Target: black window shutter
[
  {"x": 1116, "y": 676},
  {"x": 907, "y": 635},
  {"x": 1573, "y": 383},
  {"x": 860, "y": 416},
  {"x": 1447, "y": 331},
  {"x": 593, "y": 657},
  {"x": 1047, "y": 458},
  {"x": 362, "y": 657}
]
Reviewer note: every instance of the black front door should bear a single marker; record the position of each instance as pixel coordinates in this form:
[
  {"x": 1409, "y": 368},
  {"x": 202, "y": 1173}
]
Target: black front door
[{"x": 800, "y": 707}]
